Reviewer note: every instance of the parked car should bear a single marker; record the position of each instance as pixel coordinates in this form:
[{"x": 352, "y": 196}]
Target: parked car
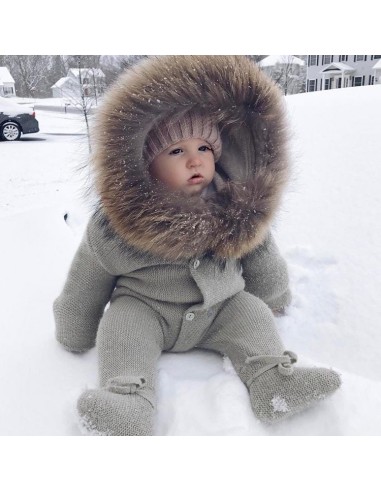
[{"x": 16, "y": 119}]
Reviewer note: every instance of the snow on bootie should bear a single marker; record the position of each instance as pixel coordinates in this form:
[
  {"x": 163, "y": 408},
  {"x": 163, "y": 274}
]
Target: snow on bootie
[
  {"x": 278, "y": 390},
  {"x": 123, "y": 408}
]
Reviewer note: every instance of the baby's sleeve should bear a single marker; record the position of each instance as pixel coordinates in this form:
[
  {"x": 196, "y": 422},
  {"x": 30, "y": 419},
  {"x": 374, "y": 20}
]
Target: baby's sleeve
[
  {"x": 79, "y": 307},
  {"x": 266, "y": 275}
]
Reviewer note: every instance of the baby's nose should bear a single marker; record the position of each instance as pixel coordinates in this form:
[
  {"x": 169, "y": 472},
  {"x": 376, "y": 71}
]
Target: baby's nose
[{"x": 194, "y": 161}]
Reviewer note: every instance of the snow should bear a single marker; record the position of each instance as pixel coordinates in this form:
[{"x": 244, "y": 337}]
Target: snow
[
  {"x": 60, "y": 82},
  {"x": 328, "y": 230},
  {"x": 11, "y": 108},
  {"x": 5, "y": 76},
  {"x": 279, "y": 404}
]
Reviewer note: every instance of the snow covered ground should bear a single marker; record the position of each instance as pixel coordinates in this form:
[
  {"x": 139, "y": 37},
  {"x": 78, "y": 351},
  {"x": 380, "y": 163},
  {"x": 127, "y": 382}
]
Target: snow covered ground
[{"x": 328, "y": 230}]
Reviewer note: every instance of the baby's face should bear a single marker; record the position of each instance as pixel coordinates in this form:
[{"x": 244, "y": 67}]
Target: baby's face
[{"x": 187, "y": 165}]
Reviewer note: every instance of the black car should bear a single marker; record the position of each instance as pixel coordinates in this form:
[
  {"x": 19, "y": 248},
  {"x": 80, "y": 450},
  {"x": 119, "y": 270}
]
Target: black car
[{"x": 16, "y": 119}]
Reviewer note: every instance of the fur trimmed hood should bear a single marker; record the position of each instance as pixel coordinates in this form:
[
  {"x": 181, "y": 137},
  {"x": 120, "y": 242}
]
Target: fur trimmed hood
[{"x": 248, "y": 109}]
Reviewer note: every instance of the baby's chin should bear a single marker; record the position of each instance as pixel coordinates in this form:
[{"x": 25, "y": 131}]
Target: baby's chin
[
  {"x": 185, "y": 190},
  {"x": 194, "y": 191}
]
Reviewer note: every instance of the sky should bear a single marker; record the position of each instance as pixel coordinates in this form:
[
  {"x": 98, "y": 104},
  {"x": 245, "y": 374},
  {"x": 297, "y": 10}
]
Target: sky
[{"x": 197, "y": 28}]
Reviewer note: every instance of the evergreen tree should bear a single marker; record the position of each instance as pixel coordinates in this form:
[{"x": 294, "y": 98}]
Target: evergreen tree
[{"x": 58, "y": 69}]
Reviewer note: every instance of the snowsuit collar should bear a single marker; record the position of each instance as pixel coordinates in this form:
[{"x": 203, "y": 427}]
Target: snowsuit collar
[{"x": 252, "y": 170}]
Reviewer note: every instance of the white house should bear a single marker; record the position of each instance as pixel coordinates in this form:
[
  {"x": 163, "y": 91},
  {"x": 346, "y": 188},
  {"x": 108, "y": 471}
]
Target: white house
[
  {"x": 7, "y": 83},
  {"x": 286, "y": 70},
  {"x": 339, "y": 71},
  {"x": 91, "y": 79}
]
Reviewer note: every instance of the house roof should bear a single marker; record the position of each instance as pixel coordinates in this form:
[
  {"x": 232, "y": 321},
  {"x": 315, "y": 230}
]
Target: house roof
[
  {"x": 338, "y": 66},
  {"x": 5, "y": 76},
  {"x": 60, "y": 82},
  {"x": 272, "y": 60}
]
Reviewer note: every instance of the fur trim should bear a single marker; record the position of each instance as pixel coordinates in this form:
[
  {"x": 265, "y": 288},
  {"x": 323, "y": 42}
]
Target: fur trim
[{"x": 248, "y": 109}]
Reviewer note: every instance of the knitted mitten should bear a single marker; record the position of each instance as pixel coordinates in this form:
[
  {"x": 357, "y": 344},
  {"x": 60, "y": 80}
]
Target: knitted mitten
[
  {"x": 277, "y": 390},
  {"x": 123, "y": 408}
]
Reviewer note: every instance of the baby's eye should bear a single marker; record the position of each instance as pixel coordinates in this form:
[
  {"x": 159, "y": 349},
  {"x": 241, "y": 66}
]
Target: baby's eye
[
  {"x": 204, "y": 148},
  {"x": 175, "y": 151}
]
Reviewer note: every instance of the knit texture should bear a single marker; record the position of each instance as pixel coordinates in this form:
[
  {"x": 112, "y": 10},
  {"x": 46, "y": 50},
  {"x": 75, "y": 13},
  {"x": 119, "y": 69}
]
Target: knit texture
[
  {"x": 104, "y": 263},
  {"x": 258, "y": 281},
  {"x": 275, "y": 397},
  {"x": 156, "y": 305},
  {"x": 152, "y": 310},
  {"x": 79, "y": 307},
  {"x": 245, "y": 328},
  {"x": 105, "y": 413},
  {"x": 176, "y": 128}
]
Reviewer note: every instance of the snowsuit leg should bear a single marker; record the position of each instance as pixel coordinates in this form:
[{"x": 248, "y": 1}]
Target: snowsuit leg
[
  {"x": 129, "y": 341},
  {"x": 244, "y": 327},
  {"x": 246, "y": 332}
]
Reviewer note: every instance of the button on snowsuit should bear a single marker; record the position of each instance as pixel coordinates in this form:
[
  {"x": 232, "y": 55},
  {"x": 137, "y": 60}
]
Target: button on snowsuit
[{"x": 179, "y": 272}]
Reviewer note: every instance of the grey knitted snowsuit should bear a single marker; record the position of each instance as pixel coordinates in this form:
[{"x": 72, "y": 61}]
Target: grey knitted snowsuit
[{"x": 184, "y": 272}]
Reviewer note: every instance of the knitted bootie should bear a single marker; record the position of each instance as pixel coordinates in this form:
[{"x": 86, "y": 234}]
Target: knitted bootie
[
  {"x": 278, "y": 390},
  {"x": 123, "y": 408}
]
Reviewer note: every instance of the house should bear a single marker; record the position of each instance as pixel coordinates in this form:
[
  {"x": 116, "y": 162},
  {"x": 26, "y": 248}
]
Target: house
[
  {"x": 288, "y": 71},
  {"x": 340, "y": 71},
  {"x": 92, "y": 81},
  {"x": 7, "y": 83}
]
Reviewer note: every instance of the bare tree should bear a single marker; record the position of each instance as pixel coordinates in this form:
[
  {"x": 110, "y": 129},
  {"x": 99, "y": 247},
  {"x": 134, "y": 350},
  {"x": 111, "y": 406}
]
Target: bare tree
[
  {"x": 30, "y": 73},
  {"x": 290, "y": 76},
  {"x": 86, "y": 61},
  {"x": 78, "y": 97}
]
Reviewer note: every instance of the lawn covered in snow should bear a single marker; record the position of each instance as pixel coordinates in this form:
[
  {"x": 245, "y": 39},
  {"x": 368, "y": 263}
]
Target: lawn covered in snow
[{"x": 328, "y": 229}]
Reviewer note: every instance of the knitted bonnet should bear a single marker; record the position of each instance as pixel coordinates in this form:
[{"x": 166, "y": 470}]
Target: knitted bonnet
[{"x": 174, "y": 129}]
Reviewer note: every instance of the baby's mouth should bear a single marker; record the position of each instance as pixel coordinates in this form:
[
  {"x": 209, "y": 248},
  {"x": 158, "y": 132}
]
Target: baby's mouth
[{"x": 195, "y": 177}]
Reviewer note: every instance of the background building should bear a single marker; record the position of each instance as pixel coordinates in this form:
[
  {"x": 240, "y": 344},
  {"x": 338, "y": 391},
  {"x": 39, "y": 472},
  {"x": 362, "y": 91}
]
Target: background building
[
  {"x": 92, "y": 81},
  {"x": 340, "y": 71},
  {"x": 7, "y": 84}
]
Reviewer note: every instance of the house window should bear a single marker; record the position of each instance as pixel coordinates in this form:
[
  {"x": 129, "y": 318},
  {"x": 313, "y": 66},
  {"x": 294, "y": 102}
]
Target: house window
[
  {"x": 327, "y": 84},
  {"x": 327, "y": 59},
  {"x": 311, "y": 85},
  {"x": 313, "y": 60},
  {"x": 343, "y": 58},
  {"x": 359, "y": 58},
  {"x": 7, "y": 90},
  {"x": 357, "y": 81},
  {"x": 375, "y": 57}
]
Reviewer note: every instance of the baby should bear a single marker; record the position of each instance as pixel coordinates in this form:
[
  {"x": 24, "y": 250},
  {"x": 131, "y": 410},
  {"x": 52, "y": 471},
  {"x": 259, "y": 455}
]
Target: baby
[{"x": 190, "y": 164}]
